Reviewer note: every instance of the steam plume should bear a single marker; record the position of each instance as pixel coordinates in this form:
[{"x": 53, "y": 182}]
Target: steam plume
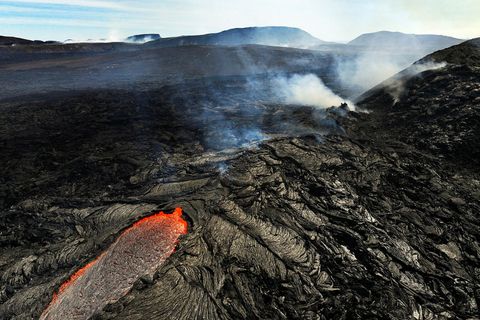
[
  {"x": 308, "y": 90},
  {"x": 367, "y": 70},
  {"x": 396, "y": 85}
]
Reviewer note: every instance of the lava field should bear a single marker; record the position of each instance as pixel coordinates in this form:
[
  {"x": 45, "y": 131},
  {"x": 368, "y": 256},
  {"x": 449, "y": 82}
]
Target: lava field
[{"x": 287, "y": 211}]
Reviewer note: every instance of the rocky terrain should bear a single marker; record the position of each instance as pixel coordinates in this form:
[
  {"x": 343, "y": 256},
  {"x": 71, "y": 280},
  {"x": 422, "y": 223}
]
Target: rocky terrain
[
  {"x": 293, "y": 212},
  {"x": 438, "y": 110},
  {"x": 45, "y": 68}
]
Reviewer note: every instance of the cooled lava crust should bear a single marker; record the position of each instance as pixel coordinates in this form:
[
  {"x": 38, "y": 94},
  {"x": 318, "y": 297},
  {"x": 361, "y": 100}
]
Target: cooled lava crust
[{"x": 380, "y": 222}]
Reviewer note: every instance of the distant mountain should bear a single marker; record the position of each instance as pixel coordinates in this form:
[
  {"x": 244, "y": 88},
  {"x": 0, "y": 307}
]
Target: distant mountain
[
  {"x": 271, "y": 36},
  {"x": 12, "y": 41},
  {"x": 386, "y": 40},
  {"x": 8, "y": 41},
  {"x": 142, "y": 38}
]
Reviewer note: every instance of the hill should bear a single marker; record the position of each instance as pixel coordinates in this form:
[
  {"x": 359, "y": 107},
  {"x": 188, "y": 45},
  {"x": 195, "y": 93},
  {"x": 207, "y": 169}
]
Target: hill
[
  {"x": 434, "y": 104},
  {"x": 466, "y": 53},
  {"x": 12, "y": 41},
  {"x": 386, "y": 40},
  {"x": 8, "y": 41}
]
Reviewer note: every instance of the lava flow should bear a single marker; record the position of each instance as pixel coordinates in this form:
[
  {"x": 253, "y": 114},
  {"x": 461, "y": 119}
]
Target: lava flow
[{"x": 138, "y": 251}]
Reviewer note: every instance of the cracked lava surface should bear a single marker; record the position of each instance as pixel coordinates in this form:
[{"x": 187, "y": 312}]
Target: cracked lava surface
[{"x": 138, "y": 251}]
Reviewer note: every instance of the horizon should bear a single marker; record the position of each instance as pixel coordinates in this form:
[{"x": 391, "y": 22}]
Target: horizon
[
  {"x": 123, "y": 38},
  {"x": 328, "y": 20}
]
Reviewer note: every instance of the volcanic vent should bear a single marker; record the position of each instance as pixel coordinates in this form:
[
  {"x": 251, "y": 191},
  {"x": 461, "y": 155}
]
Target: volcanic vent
[{"x": 138, "y": 251}]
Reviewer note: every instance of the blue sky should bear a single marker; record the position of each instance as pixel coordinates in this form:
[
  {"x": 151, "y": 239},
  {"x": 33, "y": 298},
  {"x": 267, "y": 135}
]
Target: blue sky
[{"x": 334, "y": 20}]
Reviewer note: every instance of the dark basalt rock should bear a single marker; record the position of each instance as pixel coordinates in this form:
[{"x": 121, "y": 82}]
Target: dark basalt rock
[
  {"x": 377, "y": 223},
  {"x": 437, "y": 111}
]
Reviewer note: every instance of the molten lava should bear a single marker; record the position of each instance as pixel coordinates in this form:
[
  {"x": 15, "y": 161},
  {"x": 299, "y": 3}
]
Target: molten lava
[{"x": 139, "y": 250}]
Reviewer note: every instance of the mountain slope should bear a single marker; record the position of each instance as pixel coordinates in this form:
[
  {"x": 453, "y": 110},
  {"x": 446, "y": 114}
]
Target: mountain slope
[
  {"x": 466, "y": 53},
  {"x": 12, "y": 41},
  {"x": 8, "y": 41},
  {"x": 272, "y": 36},
  {"x": 437, "y": 110}
]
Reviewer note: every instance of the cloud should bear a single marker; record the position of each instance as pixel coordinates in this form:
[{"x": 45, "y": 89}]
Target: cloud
[
  {"x": 53, "y": 22},
  {"x": 82, "y": 3}
]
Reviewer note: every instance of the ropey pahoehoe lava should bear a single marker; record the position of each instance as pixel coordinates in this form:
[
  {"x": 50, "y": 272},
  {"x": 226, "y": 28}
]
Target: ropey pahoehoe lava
[
  {"x": 138, "y": 251},
  {"x": 308, "y": 197}
]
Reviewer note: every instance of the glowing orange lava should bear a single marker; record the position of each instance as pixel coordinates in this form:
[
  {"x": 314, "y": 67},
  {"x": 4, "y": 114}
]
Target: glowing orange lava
[{"x": 162, "y": 228}]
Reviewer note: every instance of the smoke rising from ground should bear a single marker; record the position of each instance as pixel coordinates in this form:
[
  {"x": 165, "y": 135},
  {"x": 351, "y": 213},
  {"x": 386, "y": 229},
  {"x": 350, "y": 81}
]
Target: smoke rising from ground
[
  {"x": 425, "y": 66},
  {"x": 396, "y": 85},
  {"x": 374, "y": 58},
  {"x": 244, "y": 111},
  {"x": 368, "y": 69},
  {"x": 308, "y": 90}
]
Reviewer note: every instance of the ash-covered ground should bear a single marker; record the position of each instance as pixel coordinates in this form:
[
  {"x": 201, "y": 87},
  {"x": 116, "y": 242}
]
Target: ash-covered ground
[{"x": 294, "y": 211}]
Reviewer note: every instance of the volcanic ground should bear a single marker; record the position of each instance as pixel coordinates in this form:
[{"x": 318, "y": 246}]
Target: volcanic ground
[{"x": 292, "y": 212}]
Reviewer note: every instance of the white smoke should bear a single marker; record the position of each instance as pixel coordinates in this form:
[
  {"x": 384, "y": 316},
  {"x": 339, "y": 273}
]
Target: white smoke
[
  {"x": 368, "y": 69},
  {"x": 396, "y": 85},
  {"x": 142, "y": 40},
  {"x": 308, "y": 90},
  {"x": 425, "y": 66},
  {"x": 113, "y": 36}
]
